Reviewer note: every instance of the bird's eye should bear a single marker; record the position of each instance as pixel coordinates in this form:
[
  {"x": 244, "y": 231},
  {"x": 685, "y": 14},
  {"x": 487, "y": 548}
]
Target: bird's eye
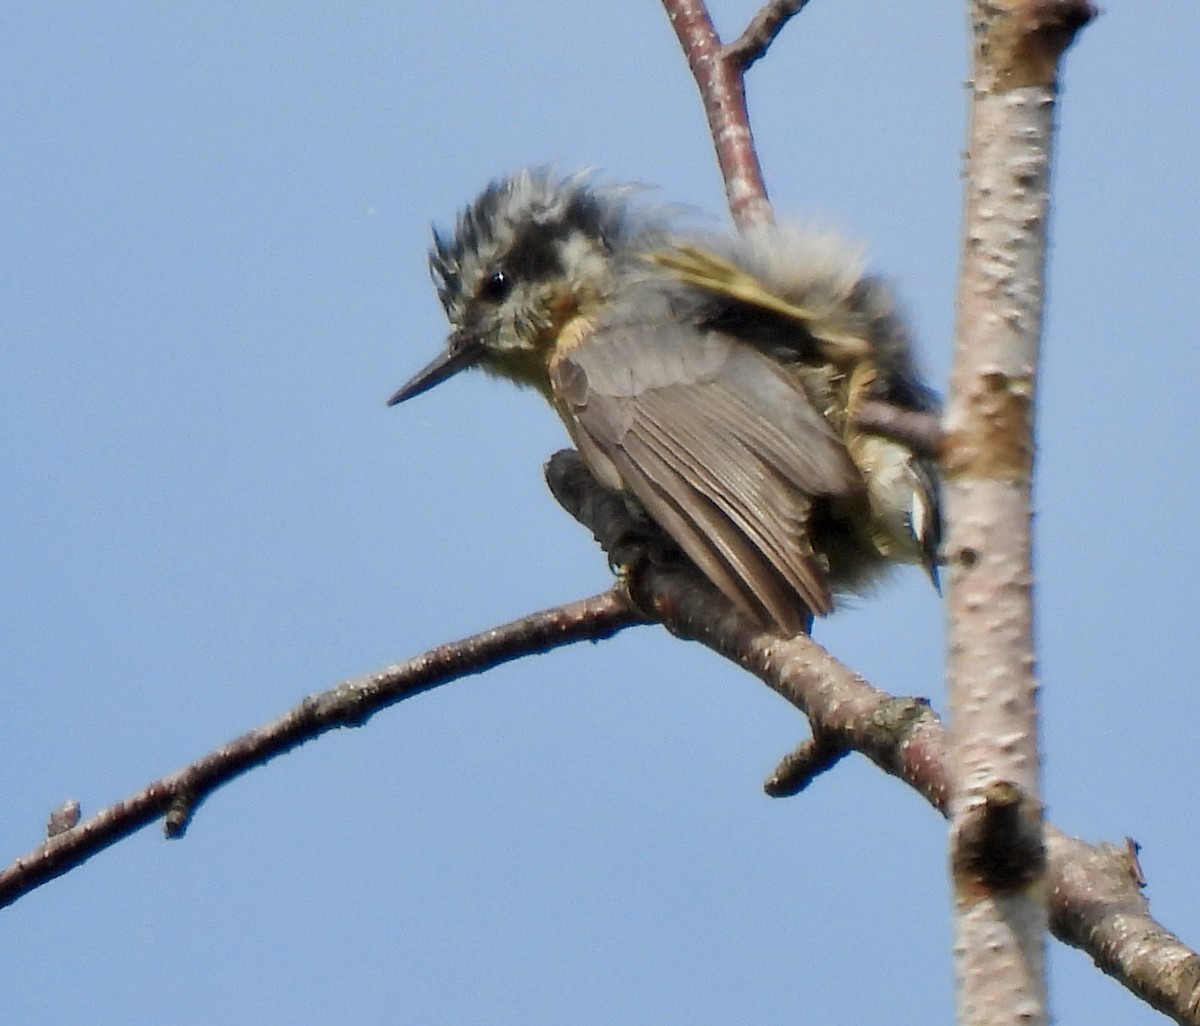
[{"x": 496, "y": 286}]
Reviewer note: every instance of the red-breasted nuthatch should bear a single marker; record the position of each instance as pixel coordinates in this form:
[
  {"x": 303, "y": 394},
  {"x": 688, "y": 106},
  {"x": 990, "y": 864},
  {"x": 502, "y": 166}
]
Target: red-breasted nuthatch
[{"x": 713, "y": 379}]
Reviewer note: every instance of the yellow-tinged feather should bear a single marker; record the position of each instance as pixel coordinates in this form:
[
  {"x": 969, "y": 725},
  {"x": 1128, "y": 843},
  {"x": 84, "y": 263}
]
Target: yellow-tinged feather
[
  {"x": 574, "y": 333},
  {"x": 698, "y": 267}
]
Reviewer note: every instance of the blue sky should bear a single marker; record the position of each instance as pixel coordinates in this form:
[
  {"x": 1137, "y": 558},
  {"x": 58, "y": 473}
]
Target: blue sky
[{"x": 215, "y": 223}]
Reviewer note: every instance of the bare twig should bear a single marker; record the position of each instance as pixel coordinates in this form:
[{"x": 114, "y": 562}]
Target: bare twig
[
  {"x": 757, "y": 37},
  {"x": 920, "y": 431},
  {"x": 802, "y": 765},
  {"x": 349, "y": 704},
  {"x": 718, "y": 73}
]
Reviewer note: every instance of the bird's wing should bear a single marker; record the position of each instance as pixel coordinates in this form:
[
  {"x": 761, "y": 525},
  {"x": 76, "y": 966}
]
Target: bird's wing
[
  {"x": 720, "y": 445},
  {"x": 819, "y": 307}
]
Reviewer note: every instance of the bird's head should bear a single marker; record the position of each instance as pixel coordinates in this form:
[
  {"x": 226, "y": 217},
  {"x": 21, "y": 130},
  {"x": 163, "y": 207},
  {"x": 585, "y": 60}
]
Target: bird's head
[{"x": 532, "y": 253}]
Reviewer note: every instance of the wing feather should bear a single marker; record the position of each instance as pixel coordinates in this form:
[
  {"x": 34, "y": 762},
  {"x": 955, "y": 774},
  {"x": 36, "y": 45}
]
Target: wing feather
[
  {"x": 768, "y": 573},
  {"x": 769, "y": 514},
  {"x": 709, "y": 538},
  {"x": 722, "y": 447}
]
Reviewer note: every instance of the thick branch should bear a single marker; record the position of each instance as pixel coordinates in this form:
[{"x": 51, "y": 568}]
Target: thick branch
[
  {"x": 987, "y": 459},
  {"x": 1096, "y": 904}
]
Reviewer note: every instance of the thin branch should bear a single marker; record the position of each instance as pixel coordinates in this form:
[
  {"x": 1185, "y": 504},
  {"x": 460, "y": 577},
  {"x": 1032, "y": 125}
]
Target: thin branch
[
  {"x": 349, "y": 704},
  {"x": 802, "y": 765},
  {"x": 920, "y": 431},
  {"x": 723, "y": 93},
  {"x": 757, "y": 37}
]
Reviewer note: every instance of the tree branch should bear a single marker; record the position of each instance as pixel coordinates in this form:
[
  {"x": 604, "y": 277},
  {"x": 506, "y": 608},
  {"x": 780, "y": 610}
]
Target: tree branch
[
  {"x": 920, "y": 431},
  {"x": 757, "y": 36},
  {"x": 718, "y": 71},
  {"x": 802, "y": 765},
  {"x": 349, "y": 704},
  {"x": 987, "y": 464}
]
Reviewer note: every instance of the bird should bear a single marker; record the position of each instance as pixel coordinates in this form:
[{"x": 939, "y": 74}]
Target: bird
[{"x": 712, "y": 379}]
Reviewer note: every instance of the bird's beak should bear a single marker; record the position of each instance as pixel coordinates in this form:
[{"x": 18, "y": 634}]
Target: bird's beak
[{"x": 460, "y": 353}]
